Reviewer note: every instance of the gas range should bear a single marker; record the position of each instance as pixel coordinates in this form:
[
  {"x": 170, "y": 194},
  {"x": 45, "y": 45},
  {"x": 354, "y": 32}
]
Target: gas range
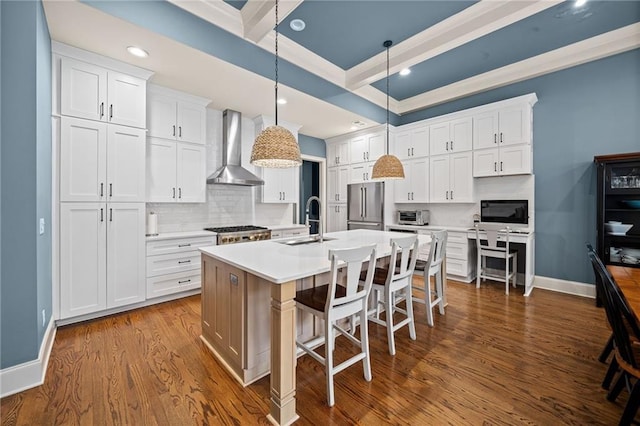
[{"x": 240, "y": 234}]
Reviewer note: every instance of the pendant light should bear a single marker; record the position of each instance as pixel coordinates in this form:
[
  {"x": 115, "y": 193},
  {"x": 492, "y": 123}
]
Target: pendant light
[
  {"x": 388, "y": 166},
  {"x": 275, "y": 146}
]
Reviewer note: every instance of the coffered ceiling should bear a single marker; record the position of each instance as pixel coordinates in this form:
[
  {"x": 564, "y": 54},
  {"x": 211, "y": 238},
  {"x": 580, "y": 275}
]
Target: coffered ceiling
[{"x": 333, "y": 72}]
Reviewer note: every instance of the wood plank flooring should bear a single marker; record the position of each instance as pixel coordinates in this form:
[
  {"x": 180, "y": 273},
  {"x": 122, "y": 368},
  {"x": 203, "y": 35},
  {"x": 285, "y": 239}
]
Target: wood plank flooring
[{"x": 492, "y": 359}]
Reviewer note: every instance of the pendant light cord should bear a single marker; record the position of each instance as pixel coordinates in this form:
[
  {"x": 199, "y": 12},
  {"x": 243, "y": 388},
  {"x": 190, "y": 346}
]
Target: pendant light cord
[
  {"x": 276, "y": 103},
  {"x": 387, "y": 44}
]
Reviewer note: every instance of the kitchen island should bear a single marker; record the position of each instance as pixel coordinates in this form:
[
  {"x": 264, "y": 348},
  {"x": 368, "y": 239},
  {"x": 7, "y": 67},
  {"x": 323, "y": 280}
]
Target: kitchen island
[{"x": 248, "y": 312}]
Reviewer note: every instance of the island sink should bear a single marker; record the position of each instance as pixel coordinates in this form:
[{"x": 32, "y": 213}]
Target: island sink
[{"x": 311, "y": 239}]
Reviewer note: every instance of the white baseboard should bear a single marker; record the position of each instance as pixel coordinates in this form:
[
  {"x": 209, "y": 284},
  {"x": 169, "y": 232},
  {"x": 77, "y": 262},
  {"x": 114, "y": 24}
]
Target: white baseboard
[
  {"x": 28, "y": 374},
  {"x": 564, "y": 286}
]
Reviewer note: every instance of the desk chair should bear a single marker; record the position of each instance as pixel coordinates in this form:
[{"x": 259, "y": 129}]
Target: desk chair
[
  {"x": 433, "y": 267},
  {"x": 333, "y": 302},
  {"x": 489, "y": 248},
  {"x": 394, "y": 283}
]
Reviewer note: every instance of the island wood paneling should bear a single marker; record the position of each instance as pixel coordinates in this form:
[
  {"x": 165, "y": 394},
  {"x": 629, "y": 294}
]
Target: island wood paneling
[{"x": 492, "y": 359}]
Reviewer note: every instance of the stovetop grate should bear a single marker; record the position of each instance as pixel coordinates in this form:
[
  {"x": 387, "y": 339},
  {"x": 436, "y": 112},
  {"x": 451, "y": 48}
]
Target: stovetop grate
[{"x": 243, "y": 228}]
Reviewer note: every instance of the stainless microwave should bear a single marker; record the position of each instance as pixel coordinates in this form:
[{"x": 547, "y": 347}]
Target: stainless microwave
[{"x": 413, "y": 217}]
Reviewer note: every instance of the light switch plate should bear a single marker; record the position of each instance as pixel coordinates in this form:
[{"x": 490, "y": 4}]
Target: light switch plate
[{"x": 41, "y": 225}]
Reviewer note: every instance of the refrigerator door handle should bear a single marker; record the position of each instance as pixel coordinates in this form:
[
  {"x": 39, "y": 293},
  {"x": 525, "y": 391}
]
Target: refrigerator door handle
[
  {"x": 365, "y": 202},
  {"x": 361, "y": 200}
]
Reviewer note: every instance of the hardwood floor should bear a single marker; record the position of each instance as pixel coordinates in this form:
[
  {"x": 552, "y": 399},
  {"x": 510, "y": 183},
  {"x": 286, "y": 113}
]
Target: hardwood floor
[{"x": 492, "y": 359}]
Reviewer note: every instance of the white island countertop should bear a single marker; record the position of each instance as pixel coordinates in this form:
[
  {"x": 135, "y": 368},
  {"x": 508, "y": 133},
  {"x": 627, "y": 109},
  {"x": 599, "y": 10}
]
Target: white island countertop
[{"x": 280, "y": 263}]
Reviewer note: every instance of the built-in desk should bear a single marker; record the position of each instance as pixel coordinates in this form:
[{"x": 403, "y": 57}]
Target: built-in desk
[{"x": 526, "y": 241}]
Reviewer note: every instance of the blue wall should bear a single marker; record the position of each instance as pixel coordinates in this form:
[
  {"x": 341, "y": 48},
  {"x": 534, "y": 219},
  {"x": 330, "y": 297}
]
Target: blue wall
[
  {"x": 25, "y": 286},
  {"x": 588, "y": 110},
  {"x": 312, "y": 146}
]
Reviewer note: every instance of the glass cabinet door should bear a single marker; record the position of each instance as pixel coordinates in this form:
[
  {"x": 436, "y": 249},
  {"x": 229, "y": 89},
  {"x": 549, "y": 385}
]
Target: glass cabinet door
[{"x": 623, "y": 178}]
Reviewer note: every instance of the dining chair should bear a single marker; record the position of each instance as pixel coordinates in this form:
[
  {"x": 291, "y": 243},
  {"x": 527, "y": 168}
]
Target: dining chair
[
  {"x": 333, "y": 302},
  {"x": 626, "y": 334},
  {"x": 394, "y": 284},
  {"x": 489, "y": 248},
  {"x": 608, "y": 347},
  {"x": 433, "y": 267}
]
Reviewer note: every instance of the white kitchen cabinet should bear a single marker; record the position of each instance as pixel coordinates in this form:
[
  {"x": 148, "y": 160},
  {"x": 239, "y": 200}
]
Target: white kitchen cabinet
[
  {"x": 338, "y": 153},
  {"x": 367, "y": 148},
  {"x": 337, "y": 218},
  {"x": 173, "y": 265},
  {"x": 361, "y": 173},
  {"x": 101, "y": 256},
  {"x": 451, "y": 178},
  {"x": 95, "y": 93},
  {"x": 280, "y": 185},
  {"x": 176, "y": 171},
  {"x": 412, "y": 143},
  {"x": 294, "y": 232},
  {"x": 414, "y": 188},
  {"x": 502, "y": 161},
  {"x": 100, "y": 162},
  {"x": 337, "y": 181},
  {"x": 509, "y": 125},
  {"x": 451, "y": 136},
  {"x": 460, "y": 257},
  {"x": 175, "y": 115}
]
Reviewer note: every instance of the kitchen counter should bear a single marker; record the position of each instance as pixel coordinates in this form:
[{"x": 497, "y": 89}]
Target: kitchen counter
[
  {"x": 430, "y": 228},
  {"x": 176, "y": 235},
  {"x": 248, "y": 312}
]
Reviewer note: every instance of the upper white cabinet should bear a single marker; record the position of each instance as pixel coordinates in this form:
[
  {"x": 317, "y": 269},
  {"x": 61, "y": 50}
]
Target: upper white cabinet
[
  {"x": 338, "y": 153},
  {"x": 414, "y": 188},
  {"x": 451, "y": 178},
  {"x": 509, "y": 125},
  {"x": 361, "y": 172},
  {"x": 367, "y": 148},
  {"x": 506, "y": 160},
  {"x": 412, "y": 143},
  {"x": 280, "y": 185},
  {"x": 337, "y": 181},
  {"x": 176, "y": 115},
  {"x": 176, "y": 172},
  {"x": 100, "y": 162},
  {"x": 451, "y": 136},
  {"x": 96, "y": 93}
]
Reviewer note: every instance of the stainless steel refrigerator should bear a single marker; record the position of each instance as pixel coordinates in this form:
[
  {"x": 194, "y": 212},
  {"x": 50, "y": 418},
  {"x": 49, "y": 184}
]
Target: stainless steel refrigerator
[{"x": 365, "y": 206}]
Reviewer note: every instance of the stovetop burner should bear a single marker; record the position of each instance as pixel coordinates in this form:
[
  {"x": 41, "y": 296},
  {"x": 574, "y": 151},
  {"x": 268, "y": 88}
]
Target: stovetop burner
[{"x": 243, "y": 228}]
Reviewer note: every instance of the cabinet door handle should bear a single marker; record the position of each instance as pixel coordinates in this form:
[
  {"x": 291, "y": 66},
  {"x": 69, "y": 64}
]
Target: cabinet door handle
[
  {"x": 101, "y": 215},
  {"x": 101, "y": 189},
  {"x": 501, "y": 137},
  {"x": 452, "y": 195},
  {"x": 408, "y": 152},
  {"x": 101, "y": 109},
  {"x": 110, "y": 215},
  {"x": 412, "y": 152},
  {"x": 284, "y": 195},
  {"x": 364, "y": 156},
  {"x": 412, "y": 196},
  {"x": 184, "y": 245},
  {"x": 363, "y": 178},
  {"x": 179, "y": 131},
  {"x": 174, "y": 130},
  {"x": 110, "y": 112},
  {"x": 447, "y": 195},
  {"x": 367, "y": 155},
  {"x": 110, "y": 190},
  {"x": 184, "y": 281},
  {"x": 451, "y": 143},
  {"x": 501, "y": 166},
  {"x": 174, "y": 193},
  {"x": 408, "y": 195},
  {"x": 180, "y": 193},
  {"x": 495, "y": 166},
  {"x": 495, "y": 138},
  {"x": 447, "y": 146},
  {"x": 184, "y": 261}
]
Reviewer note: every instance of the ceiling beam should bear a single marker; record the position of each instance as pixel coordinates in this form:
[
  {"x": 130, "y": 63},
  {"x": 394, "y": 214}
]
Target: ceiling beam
[
  {"x": 258, "y": 16},
  {"x": 472, "y": 23},
  {"x": 598, "y": 47}
]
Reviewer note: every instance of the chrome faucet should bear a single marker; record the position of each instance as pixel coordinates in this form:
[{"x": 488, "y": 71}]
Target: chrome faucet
[{"x": 308, "y": 221}]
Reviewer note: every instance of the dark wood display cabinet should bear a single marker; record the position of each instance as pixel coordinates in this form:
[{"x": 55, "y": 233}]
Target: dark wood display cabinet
[{"x": 619, "y": 208}]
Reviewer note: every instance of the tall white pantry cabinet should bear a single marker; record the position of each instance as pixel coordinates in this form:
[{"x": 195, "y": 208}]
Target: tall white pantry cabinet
[{"x": 100, "y": 108}]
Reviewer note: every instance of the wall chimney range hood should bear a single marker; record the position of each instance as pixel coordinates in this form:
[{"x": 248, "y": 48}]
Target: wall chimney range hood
[{"x": 231, "y": 172}]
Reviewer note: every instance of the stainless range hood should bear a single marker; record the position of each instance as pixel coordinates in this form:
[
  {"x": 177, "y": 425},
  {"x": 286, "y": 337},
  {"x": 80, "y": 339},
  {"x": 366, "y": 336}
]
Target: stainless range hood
[{"x": 231, "y": 172}]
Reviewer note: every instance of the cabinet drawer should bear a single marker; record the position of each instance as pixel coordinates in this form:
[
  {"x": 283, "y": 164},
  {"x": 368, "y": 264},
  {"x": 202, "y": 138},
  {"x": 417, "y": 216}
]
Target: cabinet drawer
[
  {"x": 276, "y": 234},
  {"x": 178, "y": 245},
  {"x": 295, "y": 233},
  {"x": 457, "y": 251},
  {"x": 457, "y": 267},
  {"x": 457, "y": 238},
  {"x": 171, "y": 263},
  {"x": 172, "y": 283}
]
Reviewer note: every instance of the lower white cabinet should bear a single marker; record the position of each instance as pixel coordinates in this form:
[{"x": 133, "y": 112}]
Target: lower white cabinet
[
  {"x": 460, "y": 257},
  {"x": 336, "y": 217},
  {"x": 414, "y": 188},
  {"x": 176, "y": 171},
  {"x": 101, "y": 256},
  {"x": 506, "y": 160},
  {"x": 280, "y": 185},
  {"x": 289, "y": 232},
  {"x": 173, "y": 265}
]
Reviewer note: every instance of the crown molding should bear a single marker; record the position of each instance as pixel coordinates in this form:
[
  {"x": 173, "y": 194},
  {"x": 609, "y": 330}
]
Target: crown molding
[
  {"x": 472, "y": 23},
  {"x": 598, "y": 47}
]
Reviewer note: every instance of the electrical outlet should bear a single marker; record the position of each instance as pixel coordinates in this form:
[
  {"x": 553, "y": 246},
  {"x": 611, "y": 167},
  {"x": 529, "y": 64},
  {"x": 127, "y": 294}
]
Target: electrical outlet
[
  {"x": 41, "y": 225},
  {"x": 44, "y": 317}
]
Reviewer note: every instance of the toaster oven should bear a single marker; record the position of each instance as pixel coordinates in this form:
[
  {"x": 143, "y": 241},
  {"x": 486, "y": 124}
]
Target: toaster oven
[{"x": 413, "y": 217}]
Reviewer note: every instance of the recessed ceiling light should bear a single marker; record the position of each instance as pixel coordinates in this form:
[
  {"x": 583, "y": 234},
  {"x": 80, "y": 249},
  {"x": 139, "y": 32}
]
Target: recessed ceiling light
[
  {"x": 282, "y": 101},
  {"x": 580, "y": 3},
  {"x": 358, "y": 124},
  {"x": 137, "y": 51},
  {"x": 405, "y": 71},
  {"x": 297, "y": 24}
]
